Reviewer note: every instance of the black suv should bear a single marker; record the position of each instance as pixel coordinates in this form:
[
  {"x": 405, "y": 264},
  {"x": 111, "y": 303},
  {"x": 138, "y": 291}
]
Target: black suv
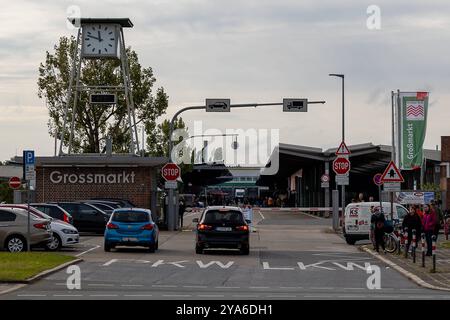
[
  {"x": 222, "y": 227},
  {"x": 54, "y": 211},
  {"x": 86, "y": 217}
]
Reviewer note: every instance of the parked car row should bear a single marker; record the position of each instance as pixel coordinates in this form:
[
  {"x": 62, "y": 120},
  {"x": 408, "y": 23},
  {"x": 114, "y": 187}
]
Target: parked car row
[{"x": 62, "y": 221}]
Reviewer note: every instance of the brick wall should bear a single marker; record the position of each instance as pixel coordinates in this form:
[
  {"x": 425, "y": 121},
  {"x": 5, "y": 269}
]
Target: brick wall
[{"x": 139, "y": 192}]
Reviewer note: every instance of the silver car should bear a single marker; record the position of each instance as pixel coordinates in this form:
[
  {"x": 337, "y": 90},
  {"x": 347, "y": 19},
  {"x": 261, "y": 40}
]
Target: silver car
[{"x": 14, "y": 226}]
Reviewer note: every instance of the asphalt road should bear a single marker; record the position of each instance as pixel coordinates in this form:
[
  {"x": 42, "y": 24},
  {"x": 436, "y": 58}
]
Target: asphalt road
[{"x": 293, "y": 256}]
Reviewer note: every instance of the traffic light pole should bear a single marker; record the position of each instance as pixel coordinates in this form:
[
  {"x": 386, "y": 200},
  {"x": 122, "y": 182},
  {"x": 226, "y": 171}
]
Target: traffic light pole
[{"x": 171, "y": 214}]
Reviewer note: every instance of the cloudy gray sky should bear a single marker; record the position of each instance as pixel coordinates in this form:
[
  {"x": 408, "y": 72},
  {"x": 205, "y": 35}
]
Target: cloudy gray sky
[{"x": 250, "y": 51}]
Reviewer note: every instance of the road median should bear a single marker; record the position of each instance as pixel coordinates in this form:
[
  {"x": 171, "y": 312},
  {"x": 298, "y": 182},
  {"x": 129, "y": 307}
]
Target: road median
[{"x": 27, "y": 267}]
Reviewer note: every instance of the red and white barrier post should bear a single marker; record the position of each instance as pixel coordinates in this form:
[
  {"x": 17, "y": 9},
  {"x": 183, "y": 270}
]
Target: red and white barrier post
[
  {"x": 423, "y": 249},
  {"x": 434, "y": 253},
  {"x": 406, "y": 242},
  {"x": 414, "y": 245}
]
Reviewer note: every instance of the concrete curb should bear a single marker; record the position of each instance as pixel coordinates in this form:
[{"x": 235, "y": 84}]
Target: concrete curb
[
  {"x": 22, "y": 283},
  {"x": 416, "y": 279}
]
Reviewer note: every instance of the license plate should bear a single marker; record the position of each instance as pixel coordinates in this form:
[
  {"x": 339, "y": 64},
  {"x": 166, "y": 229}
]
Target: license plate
[
  {"x": 223, "y": 229},
  {"x": 130, "y": 239}
]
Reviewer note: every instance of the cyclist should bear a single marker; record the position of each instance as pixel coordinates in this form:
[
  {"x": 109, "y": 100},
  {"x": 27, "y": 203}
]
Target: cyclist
[{"x": 412, "y": 221}]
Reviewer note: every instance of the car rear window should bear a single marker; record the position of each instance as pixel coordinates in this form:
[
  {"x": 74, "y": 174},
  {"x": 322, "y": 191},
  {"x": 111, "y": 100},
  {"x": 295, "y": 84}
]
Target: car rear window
[
  {"x": 218, "y": 216},
  {"x": 130, "y": 216}
]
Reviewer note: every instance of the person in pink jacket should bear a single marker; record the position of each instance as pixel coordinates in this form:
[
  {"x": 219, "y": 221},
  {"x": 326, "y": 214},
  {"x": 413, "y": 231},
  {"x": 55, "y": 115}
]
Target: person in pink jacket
[{"x": 429, "y": 223}]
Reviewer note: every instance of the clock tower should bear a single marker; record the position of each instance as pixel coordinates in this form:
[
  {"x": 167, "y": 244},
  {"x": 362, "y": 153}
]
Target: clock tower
[{"x": 99, "y": 38}]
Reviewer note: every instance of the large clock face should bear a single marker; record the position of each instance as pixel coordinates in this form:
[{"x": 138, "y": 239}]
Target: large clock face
[{"x": 99, "y": 40}]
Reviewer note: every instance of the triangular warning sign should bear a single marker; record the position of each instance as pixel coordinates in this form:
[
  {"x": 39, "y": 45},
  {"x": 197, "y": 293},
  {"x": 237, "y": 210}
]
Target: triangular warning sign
[
  {"x": 342, "y": 150},
  {"x": 392, "y": 174}
]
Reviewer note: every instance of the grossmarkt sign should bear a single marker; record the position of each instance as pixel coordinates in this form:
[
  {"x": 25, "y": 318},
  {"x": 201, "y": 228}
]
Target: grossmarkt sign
[{"x": 413, "y": 124}]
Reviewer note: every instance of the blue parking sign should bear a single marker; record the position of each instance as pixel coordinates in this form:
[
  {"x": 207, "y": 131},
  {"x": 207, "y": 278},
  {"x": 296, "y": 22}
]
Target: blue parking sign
[{"x": 28, "y": 157}]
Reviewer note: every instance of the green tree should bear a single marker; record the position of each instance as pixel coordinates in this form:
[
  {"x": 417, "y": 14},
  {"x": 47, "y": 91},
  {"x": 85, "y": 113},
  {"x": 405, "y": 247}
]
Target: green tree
[
  {"x": 158, "y": 144},
  {"x": 93, "y": 123}
]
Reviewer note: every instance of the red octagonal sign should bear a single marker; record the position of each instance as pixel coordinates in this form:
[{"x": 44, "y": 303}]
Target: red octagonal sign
[
  {"x": 15, "y": 182},
  {"x": 341, "y": 165},
  {"x": 171, "y": 171}
]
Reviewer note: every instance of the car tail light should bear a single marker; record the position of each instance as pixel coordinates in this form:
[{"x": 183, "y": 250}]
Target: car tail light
[
  {"x": 112, "y": 226},
  {"x": 202, "y": 226},
  {"x": 242, "y": 228},
  {"x": 66, "y": 218},
  {"x": 40, "y": 226},
  {"x": 147, "y": 227}
]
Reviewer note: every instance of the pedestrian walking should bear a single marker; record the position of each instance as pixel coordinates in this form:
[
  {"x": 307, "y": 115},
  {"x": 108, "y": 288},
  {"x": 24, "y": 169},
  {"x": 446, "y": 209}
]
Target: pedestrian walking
[
  {"x": 429, "y": 225},
  {"x": 439, "y": 218},
  {"x": 412, "y": 222},
  {"x": 378, "y": 220},
  {"x": 181, "y": 209}
]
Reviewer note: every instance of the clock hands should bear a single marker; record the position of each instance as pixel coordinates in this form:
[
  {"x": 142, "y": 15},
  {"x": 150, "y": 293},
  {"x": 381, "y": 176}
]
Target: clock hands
[
  {"x": 90, "y": 36},
  {"x": 99, "y": 38}
]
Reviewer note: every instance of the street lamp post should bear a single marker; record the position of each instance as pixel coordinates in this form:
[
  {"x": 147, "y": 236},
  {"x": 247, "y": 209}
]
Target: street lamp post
[{"x": 343, "y": 130}]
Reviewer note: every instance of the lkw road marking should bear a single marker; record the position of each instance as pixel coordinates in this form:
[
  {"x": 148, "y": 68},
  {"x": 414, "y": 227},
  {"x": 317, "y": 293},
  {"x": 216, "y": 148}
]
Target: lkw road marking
[{"x": 327, "y": 265}]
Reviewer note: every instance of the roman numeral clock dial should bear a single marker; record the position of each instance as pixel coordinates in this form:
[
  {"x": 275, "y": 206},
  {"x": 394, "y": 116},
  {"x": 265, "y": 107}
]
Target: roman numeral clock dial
[{"x": 99, "y": 41}]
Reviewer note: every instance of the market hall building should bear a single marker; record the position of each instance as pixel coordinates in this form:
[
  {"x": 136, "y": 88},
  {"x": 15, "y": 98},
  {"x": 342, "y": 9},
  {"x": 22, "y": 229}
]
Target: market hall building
[
  {"x": 82, "y": 177},
  {"x": 297, "y": 181}
]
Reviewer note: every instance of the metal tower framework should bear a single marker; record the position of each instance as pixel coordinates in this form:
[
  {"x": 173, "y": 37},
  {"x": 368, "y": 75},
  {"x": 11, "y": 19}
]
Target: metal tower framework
[{"x": 75, "y": 87}]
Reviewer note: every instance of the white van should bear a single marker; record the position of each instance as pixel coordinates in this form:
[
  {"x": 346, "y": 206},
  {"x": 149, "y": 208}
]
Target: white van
[{"x": 357, "y": 218}]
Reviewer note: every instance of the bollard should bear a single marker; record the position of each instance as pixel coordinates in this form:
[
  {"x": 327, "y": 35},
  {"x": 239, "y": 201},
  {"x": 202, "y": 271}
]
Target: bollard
[
  {"x": 414, "y": 245},
  {"x": 434, "y": 253},
  {"x": 406, "y": 242},
  {"x": 400, "y": 241},
  {"x": 423, "y": 249}
]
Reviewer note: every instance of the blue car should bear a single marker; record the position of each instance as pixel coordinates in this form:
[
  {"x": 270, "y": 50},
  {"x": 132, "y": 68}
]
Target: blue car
[{"x": 131, "y": 227}]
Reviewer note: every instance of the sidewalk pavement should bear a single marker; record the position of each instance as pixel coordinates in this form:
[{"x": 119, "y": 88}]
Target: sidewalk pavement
[{"x": 438, "y": 280}]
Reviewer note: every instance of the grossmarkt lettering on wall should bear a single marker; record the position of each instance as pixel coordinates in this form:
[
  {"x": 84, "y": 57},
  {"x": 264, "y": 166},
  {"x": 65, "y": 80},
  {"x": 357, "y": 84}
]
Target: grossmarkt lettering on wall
[
  {"x": 413, "y": 123},
  {"x": 56, "y": 177}
]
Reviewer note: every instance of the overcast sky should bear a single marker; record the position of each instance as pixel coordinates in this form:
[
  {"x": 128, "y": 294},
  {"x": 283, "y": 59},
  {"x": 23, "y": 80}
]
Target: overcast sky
[{"x": 249, "y": 51}]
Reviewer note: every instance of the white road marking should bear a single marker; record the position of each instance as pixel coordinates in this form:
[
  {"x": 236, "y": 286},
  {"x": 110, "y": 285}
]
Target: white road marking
[
  {"x": 317, "y": 296},
  {"x": 177, "y": 295},
  {"x": 262, "y": 216},
  {"x": 322, "y": 288},
  {"x": 110, "y": 262},
  {"x": 137, "y": 295},
  {"x": 67, "y": 295},
  {"x": 132, "y": 285},
  {"x": 227, "y": 287},
  {"x": 163, "y": 286},
  {"x": 245, "y": 295},
  {"x": 288, "y": 287},
  {"x": 194, "y": 286},
  {"x": 281, "y": 296},
  {"x": 103, "y": 295},
  {"x": 410, "y": 290},
  {"x": 421, "y": 297},
  {"x": 31, "y": 295},
  {"x": 355, "y": 288},
  {"x": 100, "y": 285},
  {"x": 80, "y": 254},
  {"x": 210, "y": 295},
  {"x": 258, "y": 287}
]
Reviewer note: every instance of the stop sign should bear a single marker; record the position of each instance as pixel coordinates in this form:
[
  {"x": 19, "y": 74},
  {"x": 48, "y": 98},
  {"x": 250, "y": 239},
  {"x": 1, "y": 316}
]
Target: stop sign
[
  {"x": 170, "y": 171},
  {"x": 15, "y": 182},
  {"x": 341, "y": 165}
]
